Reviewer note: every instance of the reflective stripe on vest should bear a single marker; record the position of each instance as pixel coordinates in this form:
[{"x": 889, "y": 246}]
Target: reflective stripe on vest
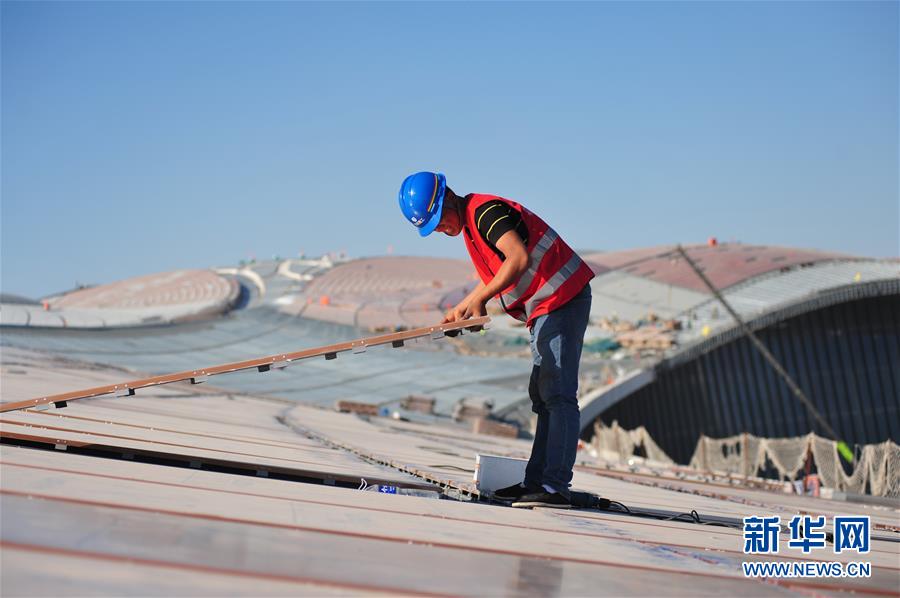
[
  {"x": 535, "y": 258},
  {"x": 556, "y": 281}
]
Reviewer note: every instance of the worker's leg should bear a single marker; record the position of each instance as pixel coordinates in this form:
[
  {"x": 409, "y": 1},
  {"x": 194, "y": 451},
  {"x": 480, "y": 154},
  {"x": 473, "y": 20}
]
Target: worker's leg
[
  {"x": 558, "y": 341},
  {"x": 534, "y": 471}
]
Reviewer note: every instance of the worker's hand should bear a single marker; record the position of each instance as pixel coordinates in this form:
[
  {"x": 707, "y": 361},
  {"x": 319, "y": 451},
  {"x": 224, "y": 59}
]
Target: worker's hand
[
  {"x": 475, "y": 309},
  {"x": 454, "y": 315}
]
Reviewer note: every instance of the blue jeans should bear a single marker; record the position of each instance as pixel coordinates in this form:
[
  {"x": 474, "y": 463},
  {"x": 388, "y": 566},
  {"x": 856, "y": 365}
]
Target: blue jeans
[{"x": 556, "y": 341}]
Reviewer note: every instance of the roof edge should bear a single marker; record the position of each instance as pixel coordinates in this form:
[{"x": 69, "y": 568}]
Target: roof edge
[{"x": 825, "y": 298}]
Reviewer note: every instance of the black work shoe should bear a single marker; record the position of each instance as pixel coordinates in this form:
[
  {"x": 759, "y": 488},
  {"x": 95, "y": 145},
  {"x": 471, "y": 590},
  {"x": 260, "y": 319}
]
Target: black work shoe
[
  {"x": 510, "y": 493},
  {"x": 543, "y": 498}
]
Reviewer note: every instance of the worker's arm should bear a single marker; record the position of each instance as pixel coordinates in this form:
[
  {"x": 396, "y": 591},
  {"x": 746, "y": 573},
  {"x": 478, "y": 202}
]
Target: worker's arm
[{"x": 513, "y": 267}]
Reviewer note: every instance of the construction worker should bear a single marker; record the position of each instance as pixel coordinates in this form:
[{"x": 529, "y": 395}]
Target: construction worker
[{"x": 537, "y": 279}]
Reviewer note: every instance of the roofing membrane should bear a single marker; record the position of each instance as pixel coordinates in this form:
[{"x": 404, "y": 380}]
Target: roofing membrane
[{"x": 87, "y": 521}]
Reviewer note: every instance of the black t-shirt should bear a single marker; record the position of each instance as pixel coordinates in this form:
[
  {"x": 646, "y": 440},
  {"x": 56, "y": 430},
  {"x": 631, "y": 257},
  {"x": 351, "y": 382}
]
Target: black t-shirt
[{"x": 494, "y": 219}]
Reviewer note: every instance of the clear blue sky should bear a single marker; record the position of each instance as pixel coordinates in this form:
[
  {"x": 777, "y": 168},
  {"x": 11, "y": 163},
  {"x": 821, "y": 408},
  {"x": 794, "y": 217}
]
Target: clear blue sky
[{"x": 143, "y": 137}]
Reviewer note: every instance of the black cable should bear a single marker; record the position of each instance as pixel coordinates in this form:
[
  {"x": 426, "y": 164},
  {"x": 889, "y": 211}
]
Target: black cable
[
  {"x": 586, "y": 500},
  {"x": 692, "y": 517},
  {"x": 620, "y": 507}
]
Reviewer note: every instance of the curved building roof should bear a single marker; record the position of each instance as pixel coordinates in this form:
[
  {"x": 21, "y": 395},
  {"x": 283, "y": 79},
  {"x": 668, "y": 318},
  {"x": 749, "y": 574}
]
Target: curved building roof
[
  {"x": 388, "y": 291},
  {"x": 151, "y": 299},
  {"x": 635, "y": 283},
  {"x": 762, "y": 284},
  {"x": 725, "y": 264},
  {"x": 630, "y": 284},
  {"x": 366, "y": 278},
  {"x": 152, "y": 290}
]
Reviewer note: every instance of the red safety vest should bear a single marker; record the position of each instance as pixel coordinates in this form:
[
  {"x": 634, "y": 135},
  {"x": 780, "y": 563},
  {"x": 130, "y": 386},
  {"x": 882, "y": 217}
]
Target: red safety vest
[{"x": 555, "y": 273}]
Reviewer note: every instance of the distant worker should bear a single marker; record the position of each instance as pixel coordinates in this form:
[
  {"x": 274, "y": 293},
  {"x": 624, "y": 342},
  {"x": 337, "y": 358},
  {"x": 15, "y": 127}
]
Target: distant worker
[{"x": 537, "y": 279}]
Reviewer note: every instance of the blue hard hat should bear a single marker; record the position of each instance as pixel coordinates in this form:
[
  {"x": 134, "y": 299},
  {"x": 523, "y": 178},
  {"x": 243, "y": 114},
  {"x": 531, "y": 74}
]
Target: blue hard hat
[{"x": 422, "y": 200}]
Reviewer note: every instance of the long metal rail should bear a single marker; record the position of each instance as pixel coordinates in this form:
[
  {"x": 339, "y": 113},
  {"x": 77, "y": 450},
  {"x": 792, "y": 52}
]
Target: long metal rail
[{"x": 263, "y": 364}]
